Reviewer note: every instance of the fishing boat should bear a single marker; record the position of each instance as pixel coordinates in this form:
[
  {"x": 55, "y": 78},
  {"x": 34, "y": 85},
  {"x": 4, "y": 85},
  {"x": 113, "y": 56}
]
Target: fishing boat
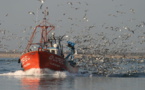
[{"x": 47, "y": 51}]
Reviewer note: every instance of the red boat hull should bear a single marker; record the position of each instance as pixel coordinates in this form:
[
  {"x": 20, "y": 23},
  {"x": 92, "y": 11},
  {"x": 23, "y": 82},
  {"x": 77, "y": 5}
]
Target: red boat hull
[{"x": 42, "y": 59}]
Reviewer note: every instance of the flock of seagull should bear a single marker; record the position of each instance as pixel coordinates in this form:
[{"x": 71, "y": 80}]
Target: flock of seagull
[{"x": 123, "y": 39}]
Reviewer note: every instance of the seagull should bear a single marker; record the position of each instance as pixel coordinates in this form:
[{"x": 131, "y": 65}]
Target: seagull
[
  {"x": 132, "y": 10},
  {"x": 85, "y": 18},
  {"x": 70, "y": 3},
  {"x": 41, "y": 6},
  {"x": 46, "y": 12},
  {"x": 42, "y": 1},
  {"x": 30, "y": 12},
  {"x": 6, "y": 14}
]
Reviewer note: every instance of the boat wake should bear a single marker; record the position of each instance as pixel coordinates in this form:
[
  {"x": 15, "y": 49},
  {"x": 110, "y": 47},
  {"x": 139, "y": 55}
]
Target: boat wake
[{"x": 37, "y": 72}]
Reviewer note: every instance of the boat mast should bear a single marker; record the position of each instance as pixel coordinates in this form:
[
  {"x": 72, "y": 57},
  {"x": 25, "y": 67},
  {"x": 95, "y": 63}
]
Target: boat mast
[{"x": 45, "y": 28}]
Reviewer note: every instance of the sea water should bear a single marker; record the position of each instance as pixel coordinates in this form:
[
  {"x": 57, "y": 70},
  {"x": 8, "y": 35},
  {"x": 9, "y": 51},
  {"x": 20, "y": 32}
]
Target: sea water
[{"x": 124, "y": 75}]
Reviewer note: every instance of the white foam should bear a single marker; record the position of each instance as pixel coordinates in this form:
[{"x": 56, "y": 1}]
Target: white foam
[{"x": 37, "y": 72}]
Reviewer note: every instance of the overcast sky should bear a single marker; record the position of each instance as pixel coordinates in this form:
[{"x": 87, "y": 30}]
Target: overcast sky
[{"x": 68, "y": 15}]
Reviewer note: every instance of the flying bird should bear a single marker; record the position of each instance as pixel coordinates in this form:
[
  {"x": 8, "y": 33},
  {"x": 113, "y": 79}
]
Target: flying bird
[
  {"x": 41, "y": 6},
  {"x": 42, "y": 1},
  {"x": 70, "y": 3},
  {"x": 46, "y": 12},
  {"x": 30, "y": 12},
  {"x": 6, "y": 14}
]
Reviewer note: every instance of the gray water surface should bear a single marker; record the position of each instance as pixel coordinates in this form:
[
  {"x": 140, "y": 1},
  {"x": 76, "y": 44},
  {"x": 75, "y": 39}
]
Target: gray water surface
[{"x": 12, "y": 77}]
